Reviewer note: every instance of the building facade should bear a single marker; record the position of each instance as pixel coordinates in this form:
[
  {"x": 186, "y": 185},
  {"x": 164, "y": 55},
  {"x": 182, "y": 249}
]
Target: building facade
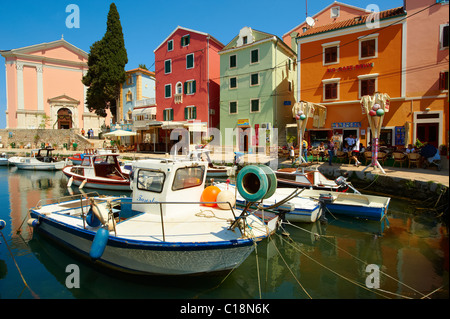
[
  {"x": 187, "y": 76},
  {"x": 44, "y": 88},
  {"x": 341, "y": 62},
  {"x": 137, "y": 92},
  {"x": 333, "y": 13},
  {"x": 427, "y": 109},
  {"x": 257, "y": 71}
]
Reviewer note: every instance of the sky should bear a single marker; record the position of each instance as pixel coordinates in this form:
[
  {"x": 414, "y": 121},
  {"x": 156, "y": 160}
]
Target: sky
[{"x": 147, "y": 23}]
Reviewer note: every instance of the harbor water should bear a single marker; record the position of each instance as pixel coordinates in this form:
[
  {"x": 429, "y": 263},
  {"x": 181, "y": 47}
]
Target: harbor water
[{"x": 405, "y": 256}]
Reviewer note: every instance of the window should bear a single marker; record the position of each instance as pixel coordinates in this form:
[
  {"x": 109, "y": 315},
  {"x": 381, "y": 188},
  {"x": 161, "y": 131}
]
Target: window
[
  {"x": 179, "y": 88},
  {"x": 244, "y": 40},
  {"x": 190, "y": 61},
  {"x": 233, "y": 83},
  {"x": 443, "y": 36},
  {"x": 233, "y": 63},
  {"x": 129, "y": 96},
  {"x": 443, "y": 81},
  {"x": 290, "y": 86},
  {"x": 185, "y": 40},
  {"x": 170, "y": 45},
  {"x": 152, "y": 181},
  {"x": 168, "y": 115},
  {"x": 168, "y": 91},
  {"x": 190, "y": 87},
  {"x": 190, "y": 113},
  {"x": 254, "y": 79},
  {"x": 187, "y": 177},
  {"x": 330, "y": 53},
  {"x": 334, "y": 12},
  {"x": 129, "y": 80},
  {"x": 367, "y": 84},
  {"x": 331, "y": 89},
  {"x": 233, "y": 107},
  {"x": 368, "y": 46},
  {"x": 254, "y": 105},
  {"x": 254, "y": 56},
  {"x": 167, "y": 66}
]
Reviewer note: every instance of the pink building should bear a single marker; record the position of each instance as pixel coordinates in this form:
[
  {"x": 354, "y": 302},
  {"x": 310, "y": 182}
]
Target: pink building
[
  {"x": 44, "y": 88},
  {"x": 427, "y": 69}
]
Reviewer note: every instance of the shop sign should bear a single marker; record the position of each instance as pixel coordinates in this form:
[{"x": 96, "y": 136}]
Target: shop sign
[
  {"x": 243, "y": 122},
  {"x": 346, "y": 125},
  {"x": 351, "y": 67}
]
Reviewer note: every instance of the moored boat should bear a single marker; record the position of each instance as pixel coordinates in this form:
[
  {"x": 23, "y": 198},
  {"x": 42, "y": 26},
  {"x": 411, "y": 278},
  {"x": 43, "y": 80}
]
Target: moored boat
[
  {"x": 41, "y": 159},
  {"x": 100, "y": 171},
  {"x": 4, "y": 159},
  {"x": 162, "y": 229}
]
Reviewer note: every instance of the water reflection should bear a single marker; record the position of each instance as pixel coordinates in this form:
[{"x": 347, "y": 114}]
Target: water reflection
[{"x": 319, "y": 260}]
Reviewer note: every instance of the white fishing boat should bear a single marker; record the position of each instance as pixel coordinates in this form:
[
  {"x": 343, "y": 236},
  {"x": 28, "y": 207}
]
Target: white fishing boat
[
  {"x": 351, "y": 204},
  {"x": 4, "y": 159},
  {"x": 163, "y": 228},
  {"x": 214, "y": 171},
  {"x": 100, "y": 171},
  {"x": 296, "y": 209},
  {"x": 41, "y": 159}
]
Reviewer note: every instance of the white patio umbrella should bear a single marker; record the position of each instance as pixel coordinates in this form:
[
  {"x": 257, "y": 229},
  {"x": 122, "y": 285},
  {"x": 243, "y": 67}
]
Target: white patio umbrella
[{"x": 120, "y": 133}]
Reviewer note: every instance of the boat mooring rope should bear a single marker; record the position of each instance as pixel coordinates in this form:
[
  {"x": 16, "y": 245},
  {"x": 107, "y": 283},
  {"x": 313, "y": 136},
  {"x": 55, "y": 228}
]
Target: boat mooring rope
[{"x": 17, "y": 266}]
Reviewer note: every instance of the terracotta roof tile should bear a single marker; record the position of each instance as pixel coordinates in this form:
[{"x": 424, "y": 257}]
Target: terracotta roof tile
[{"x": 357, "y": 20}]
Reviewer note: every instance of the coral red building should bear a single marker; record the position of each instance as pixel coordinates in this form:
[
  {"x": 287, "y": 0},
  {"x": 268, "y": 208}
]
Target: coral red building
[{"x": 187, "y": 72}]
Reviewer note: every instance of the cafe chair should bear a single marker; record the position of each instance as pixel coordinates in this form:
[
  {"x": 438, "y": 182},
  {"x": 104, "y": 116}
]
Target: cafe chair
[
  {"x": 399, "y": 158},
  {"x": 315, "y": 155},
  {"x": 341, "y": 156},
  {"x": 367, "y": 157},
  {"x": 381, "y": 157},
  {"x": 414, "y": 159}
]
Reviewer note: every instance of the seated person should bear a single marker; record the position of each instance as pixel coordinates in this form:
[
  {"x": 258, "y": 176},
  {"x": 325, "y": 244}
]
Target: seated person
[{"x": 410, "y": 149}]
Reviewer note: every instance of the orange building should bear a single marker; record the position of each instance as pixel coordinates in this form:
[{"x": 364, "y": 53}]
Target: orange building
[{"x": 343, "y": 61}]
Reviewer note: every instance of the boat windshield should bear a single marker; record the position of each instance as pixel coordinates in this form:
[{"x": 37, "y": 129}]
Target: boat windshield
[
  {"x": 149, "y": 180},
  {"x": 187, "y": 177}
]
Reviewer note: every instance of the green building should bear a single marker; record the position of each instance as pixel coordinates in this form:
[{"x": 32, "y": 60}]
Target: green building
[{"x": 258, "y": 72}]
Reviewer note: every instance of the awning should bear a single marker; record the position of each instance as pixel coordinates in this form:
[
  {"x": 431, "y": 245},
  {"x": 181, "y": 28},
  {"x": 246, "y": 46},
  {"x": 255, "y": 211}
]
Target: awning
[
  {"x": 120, "y": 133},
  {"x": 144, "y": 110},
  {"x": 170, "y": 125},
  {"x": 196, "y": 127}
]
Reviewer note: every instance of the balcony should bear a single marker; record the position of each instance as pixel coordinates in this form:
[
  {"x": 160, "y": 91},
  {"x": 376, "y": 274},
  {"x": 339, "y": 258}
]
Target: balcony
[
  {"x": 178, "y": 98},
  {"x": 145, "y": 102}
]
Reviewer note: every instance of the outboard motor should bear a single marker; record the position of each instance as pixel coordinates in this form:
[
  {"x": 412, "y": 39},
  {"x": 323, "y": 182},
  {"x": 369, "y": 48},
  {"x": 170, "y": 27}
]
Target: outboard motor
[{"x": 344, "y": 185}]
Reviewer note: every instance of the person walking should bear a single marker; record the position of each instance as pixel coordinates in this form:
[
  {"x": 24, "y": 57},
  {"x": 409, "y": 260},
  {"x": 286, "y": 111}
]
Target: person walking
[
  {"x": 89, "y": 133},
  {"x": 330, "y": 151},
  {"x": 305, "y": 150}
]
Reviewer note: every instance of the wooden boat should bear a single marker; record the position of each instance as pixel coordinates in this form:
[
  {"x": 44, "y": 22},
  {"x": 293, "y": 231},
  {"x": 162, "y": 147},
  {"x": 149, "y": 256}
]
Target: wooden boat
[
  {"x": 100, "y": 171},
  {"x": 305, "y": 177},
  {"x": 351, "y": 204},
  {"x": 77, "y": 159},
  {"x": 41, "y": 159},
  {"x": 162, "y": 229},
  {"x": 297, "y": 209}
]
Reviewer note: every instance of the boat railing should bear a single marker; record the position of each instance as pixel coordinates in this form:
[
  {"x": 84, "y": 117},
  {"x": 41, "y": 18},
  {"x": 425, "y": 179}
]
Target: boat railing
[
  {"x": 241, "y": 227},
  {"x": 58, "y": 200}
]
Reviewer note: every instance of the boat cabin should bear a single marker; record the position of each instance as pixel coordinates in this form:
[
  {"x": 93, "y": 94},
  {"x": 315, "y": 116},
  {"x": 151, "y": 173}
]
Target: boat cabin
[
  {"x": 43, "y": 155},
  {"x": 168, "y": 181},
  {"x": 100, "y": 165}
]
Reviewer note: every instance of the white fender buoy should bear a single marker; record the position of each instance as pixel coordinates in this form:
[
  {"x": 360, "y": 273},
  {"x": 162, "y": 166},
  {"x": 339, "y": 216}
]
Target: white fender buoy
[
  {"x": 69, "y": 183},
  {"x": 83, "y": 183}
]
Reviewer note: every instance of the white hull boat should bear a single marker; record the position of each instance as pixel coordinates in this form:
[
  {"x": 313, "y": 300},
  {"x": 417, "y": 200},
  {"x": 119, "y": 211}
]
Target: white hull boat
[
  {"x": 297, "y": 209},
  {"x": 163, "y": 229},
  {"x": 38, "y": 161}
]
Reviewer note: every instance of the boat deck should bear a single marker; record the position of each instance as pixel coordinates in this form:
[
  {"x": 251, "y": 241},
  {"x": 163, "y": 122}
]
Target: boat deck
[{"x": 203, "y": 224}]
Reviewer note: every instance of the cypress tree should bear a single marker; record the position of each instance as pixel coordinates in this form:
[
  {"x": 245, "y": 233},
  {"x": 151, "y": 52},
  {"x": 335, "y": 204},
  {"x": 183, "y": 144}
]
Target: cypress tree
[{"x": 106, "y": 61}]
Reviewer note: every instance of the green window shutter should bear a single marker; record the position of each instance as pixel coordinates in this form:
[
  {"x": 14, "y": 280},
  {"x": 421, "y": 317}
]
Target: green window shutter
[
  {"x": 194, "y": 84},
  {"x": 171, "y": 114},
  {"x": 164, "y": 115},
  {"x": 185, "y": 113},
  {"x": 189, "y": 61},
  {"x": 185, "y": 87},
  {"x": 195, "y": 112}
]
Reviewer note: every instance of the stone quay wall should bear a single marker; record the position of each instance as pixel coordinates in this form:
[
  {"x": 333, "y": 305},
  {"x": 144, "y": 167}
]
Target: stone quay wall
[{"x": 34, "y": 138}]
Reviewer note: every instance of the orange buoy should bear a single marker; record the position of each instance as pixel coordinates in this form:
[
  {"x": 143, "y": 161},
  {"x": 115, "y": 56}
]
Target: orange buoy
[{"x": 210, "y": 195}]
